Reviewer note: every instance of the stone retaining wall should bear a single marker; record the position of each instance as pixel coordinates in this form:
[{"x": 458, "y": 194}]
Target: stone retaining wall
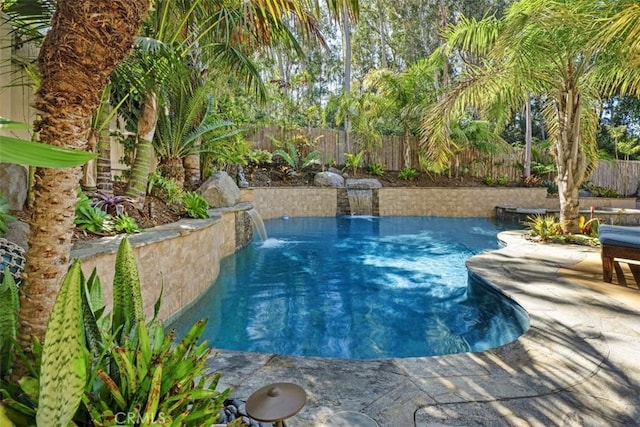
[{"x": 185, "y": 256}]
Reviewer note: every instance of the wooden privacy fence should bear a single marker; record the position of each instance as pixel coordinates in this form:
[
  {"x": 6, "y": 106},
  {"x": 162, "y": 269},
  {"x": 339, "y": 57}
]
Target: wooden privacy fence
[
  {"x": 620, "y": 175},
  {"x": 390, "y": 153}
]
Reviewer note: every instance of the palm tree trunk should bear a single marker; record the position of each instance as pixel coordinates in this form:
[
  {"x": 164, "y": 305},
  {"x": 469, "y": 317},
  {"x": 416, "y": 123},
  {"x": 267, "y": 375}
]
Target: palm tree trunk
[
  {"x": 571, "y": 160},
  {"x": 527, "y": 139},
  {"x": 104, "y": 180},
  {"x": 191, "y": 165},
  {"x": 346, "y": 30},
  {"x": 86, "y": 41},
  {"x": 137, "y": 187},
  {"x": 173, "y": 168}
]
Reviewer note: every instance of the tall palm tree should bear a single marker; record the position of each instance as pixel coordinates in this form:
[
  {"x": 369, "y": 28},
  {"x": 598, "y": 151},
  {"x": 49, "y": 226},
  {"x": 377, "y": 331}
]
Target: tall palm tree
[
  {"x": 86, "y": 40},
  {"x": 409, "y": 92},
  {"x": 543, "y": 48},
  {"x": 208, "y": 34}
]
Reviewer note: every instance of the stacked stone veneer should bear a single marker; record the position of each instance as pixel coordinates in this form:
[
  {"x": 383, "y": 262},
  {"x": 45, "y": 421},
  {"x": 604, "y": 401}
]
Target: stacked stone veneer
[
  {"x": 185, "y": 256},
  {"x": 275, "y": 202}
]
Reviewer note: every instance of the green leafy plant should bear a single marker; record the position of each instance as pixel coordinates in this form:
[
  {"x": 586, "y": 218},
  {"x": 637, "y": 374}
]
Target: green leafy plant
[
  {"x": 597, "y": 191},
  {"x": 123, "y": 223},
  {"x": 91, "y": 218},
  {"x": 5, "y": 217},
  {"x": 259, "y": 157},
  {"x": 9, "y": 303},
  {"x": 24, "y": 152},
  {"x": 353, "y": 161},
  {"x": 502, "y": 180},
  {"x": 408, "y": 173},
  {"x": 543, "y": 226},
  {"x": 166, "y": 188},
  {"x": 93, "y": 369},
  {"x": 589, "y": 227},
  {"x": 375, "y": 169},
  {"x": 195, "y": 205},
  {"x": 489, "y": 180},
  {"x": 551, "y": 186},
  {"x": 289, "y": 153}
]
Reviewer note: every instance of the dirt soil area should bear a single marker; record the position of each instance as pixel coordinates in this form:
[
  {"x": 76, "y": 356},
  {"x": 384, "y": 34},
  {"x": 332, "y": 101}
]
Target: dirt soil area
[{"x": 280, "y": 177}]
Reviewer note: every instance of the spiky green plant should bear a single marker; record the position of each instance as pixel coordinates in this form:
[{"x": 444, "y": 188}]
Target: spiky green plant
[
  {"x": 8, "y": 320},
  {"x": 289, "y": 153},
  {"x": 63, "y": 373},
  {"x": 136, "y": 371}
]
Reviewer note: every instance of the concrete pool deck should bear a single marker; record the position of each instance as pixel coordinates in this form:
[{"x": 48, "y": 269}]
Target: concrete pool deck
[{"x": 577, "y": 365}]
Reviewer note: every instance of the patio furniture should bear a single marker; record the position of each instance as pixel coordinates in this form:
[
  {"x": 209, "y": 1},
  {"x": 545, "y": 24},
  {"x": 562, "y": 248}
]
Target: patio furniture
[{"x": 619, "y": 244}]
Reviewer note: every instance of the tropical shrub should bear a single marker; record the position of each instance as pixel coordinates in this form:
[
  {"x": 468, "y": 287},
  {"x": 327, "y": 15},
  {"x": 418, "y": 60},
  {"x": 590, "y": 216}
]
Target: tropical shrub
[
  {"x": 502, "y": 180},
  {"x": 165, "y": 188},
  {"x": 353, "y": 161},
  {"x": 289, "y": 153},
  {"x": 9, "y": 305},
  {"x": 408, "y": 173},
  {"x": 597, "y": 191},
  {"x": 259, "y": 157},
  {"x": 91, "y": 218},
  {"x": 550, "y": 185},
  {"x": 589, "y": 227},
  {"x": 101, "y": 371},
  {"x": 543, "y": 226},
  {"x": 195, "y": 205},
  {"x": 375, "y": 169}
]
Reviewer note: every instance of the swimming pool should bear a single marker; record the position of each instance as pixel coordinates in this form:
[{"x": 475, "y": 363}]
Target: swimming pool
[{"x": 359, "y": 287}]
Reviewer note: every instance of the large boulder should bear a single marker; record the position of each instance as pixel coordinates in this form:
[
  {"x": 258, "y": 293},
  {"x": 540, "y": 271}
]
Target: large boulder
[
  {"x": 220, "y": 191},
  {"x": 18, "y": 233},
  {"x": 328, "y": 179},
  {"x": 363, "y": 184},
  {"x": 14, "y": 184}
]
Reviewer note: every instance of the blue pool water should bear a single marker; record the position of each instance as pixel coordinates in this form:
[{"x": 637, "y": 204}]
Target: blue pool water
[{"x": 359, "y": 287}]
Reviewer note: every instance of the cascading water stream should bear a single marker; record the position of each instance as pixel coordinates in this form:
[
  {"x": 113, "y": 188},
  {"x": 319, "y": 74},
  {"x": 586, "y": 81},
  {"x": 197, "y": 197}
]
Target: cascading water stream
[
  {"x": 258, "y": 224},
  {"x": 360, "y": 201}
]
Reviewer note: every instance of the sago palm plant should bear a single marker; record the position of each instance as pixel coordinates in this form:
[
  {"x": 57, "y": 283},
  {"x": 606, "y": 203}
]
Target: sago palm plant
[{"x": 187, "y": 126}]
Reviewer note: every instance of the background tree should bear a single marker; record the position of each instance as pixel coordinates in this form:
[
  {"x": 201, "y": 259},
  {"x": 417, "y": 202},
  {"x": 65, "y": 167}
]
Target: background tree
[{"x": 548, "y": 49}]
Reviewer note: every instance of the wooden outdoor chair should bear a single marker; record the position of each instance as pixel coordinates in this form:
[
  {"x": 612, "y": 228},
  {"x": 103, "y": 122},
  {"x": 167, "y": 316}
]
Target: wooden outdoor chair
[{"x": 619, "y": 244}]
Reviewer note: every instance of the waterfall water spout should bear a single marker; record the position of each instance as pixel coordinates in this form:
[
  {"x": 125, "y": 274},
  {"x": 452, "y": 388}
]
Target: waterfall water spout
[
  {"x": 361, "y": 197},
  {"x": 360, "y": 201},
  {"x": 258, "y": 224}
]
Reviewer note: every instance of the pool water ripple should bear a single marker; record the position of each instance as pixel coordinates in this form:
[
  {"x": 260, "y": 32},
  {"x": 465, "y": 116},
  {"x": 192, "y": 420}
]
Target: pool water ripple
[{"x": 364, "y": 288}]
